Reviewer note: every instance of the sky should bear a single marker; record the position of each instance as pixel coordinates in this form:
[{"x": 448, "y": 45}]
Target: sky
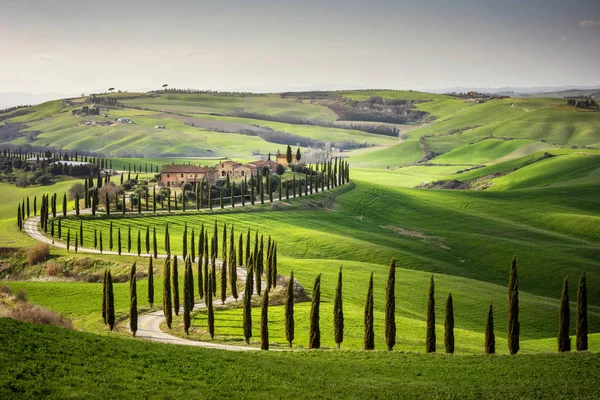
[{"x": 74, "y": 46}]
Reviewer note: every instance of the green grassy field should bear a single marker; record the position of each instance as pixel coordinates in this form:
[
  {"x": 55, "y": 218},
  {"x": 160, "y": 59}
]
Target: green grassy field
[
  {"x": 542, "y": 209},
  {"x": 46, "y": 361}
]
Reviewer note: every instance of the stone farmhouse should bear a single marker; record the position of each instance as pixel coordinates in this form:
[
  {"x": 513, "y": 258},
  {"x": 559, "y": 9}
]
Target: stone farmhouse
[
  {"x": 173, "y": 175},
  {"x": 176, "y": 175}
]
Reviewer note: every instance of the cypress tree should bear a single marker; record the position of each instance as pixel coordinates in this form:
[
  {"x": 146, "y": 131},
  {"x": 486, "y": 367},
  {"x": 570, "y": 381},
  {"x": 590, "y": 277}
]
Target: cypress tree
[
  {"x": 264, "y": 322},
  {"x": 150, "y": 283},
  {"x": 289, "y": 310},
  {"x": 147, "y": 240},
  {"x": 175, "y": 286},
  {"x": 76, "y": 242},
  {"x": 101, "y": 246},
  {"x": 513, "y": 309},
  {"x": 119, "y": 240},
  {"x": 206, "y": 287},
  {"x": 224, "y": 249},
  {"x": 209, "y": 306},
  {"x": 250, "y": 269},
  {"x": 68, "y": 238},
  {"x": 167, "y": 245},
  {"x": 223, "y": 281},
  {"x": 390, "y": 308},
  {"x": 240, "y": 256},
  {"x": 247, "y": 249},
  {"x": 110, "y": 236},
  {"x": 104, "y": 300},
  {"x": 133, "y": 313},
  {"x": 199, "y": 269},
  {"x": 64, "y": 205},
  {"x": 430, "y": 340},
  {"x": 369, "y": 330},
  {"x": 184, "y": 241},
  {"x": 167, "y": 305},
  {"x": 193, "y": 246},
  {"x": 27, "y": 206},
  {"x": 338, "y": 313},
  {"x": 201, "y": 244},
  {"x": 247, "y": 316},
  {"x": 213, "y": 272},
  {"x": 581, "y": 327},
  {"x": 81, "y": 233},
  {"x": 110, "y": 302},
  {"x": 154, "y": 246},
  {"x": 107, "y": 203},
  {"x": 129, "y": 239},
  {"x": 35, "y": 205},
  {"x": 95, "y": 238},
  {"x": 449, "y": 326},
  {"x": 315, "y": 330},
  {"x": 186, "y": 300},
  {"x": 564, "y": 341},
  {"x": 190, "y": 283},
  {"x": 490, "y": 338}
]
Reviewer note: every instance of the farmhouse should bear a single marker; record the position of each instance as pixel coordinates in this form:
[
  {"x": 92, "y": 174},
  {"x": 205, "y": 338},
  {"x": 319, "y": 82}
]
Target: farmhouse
[
  {"x": 281, "y": 158},
  {"x": 227, "y": 168},
  {"x": 176, "y": 175},
  {"x": 261, "y": 164}
]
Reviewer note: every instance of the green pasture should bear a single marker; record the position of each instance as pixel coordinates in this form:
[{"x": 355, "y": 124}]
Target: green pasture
[{"x": 42, "y": 361}]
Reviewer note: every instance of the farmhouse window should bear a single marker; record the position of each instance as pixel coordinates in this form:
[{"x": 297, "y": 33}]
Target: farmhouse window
[
  {"x": 182, "y": 175},
  {"x": 168, "y": 175}
]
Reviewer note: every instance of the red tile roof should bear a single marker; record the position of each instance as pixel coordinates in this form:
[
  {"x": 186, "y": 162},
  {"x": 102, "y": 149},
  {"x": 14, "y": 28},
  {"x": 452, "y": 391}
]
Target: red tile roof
[{"x": 184, "y": 168}]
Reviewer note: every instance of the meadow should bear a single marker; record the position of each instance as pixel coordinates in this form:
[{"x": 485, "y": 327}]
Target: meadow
[
  {"x": 47, "y": 361},
  {"x": 537, "y": 159}
]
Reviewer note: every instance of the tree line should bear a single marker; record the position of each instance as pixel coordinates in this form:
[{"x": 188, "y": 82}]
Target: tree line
[{"x": 256, "y": 272}]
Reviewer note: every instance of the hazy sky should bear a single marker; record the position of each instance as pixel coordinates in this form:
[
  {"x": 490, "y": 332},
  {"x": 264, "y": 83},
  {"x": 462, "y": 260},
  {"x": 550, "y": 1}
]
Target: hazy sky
[{"x": 76, "y": 46}]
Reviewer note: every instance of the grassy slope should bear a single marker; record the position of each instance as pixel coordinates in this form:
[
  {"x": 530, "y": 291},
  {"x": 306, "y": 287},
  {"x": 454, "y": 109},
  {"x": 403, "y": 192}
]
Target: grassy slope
[
  {"x": 271, "y": 104},
  {"x": 46, "y": 361},
  {"x": 486, "y": 151}
]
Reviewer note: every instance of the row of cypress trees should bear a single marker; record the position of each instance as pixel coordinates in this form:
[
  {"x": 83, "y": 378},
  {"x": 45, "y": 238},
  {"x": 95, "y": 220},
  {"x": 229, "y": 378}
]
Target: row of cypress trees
[{"x": 171, "y": 300}]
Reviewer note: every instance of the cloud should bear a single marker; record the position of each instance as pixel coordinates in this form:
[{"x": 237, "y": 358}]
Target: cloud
[
  {"x": 590, "y": 23},
  {"x": 565, "y": 38}
]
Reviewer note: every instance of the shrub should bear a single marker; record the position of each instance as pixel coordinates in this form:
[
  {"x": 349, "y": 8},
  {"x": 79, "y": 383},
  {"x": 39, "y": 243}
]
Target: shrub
[
  {"x": 53, "y": 269},
  {"x": 280, "y": 170},
  {"x": 38, "y": 253}
]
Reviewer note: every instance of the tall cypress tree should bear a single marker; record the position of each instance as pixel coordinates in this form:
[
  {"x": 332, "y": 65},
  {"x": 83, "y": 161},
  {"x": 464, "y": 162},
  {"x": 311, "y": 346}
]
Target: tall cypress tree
[
  {"x": 186, "y": 300},
  {"x": 167, "y": 304},
  {"x": 213, "y": 272},
  {"x": 264, "y": 322},
  {"x": 129, "y": 239},
  {"x": 133, "y": 312},
  {"x": 206, "y": 287},
  {"x": 390, "y": 308},
  {"x": 184, "y": 241},
  {"x": 104, "y": 293},
  {"x": 289, "y": 310},
  {"x": 564, "y": 341},
  {"x": 369, "y": 330},
  {"x": 247, "y": 249},
  {"x": 210, "y": 310},
  {"x": 247, "y": 321},
  {"x": 147, "y": 240},
  {"x": 119, "y": 240},
  {"x": 154, "y": 245},
  {"x": 110, "y": 302},
  {"x": 490, "y": 338},
  {"x": 449, "y": 326},
  {"x": 223, "y": 285},
  {"x": 338, "y": 313},
  {"x": 240, "y": 257},
  {"x": 315, "y": 329},
  {"x": 200, "y": 278},
  {"x": 190, "y": 298},
  {"x": 430, "y": 339},
  {"x": 175, "y": 286},
  {"x": 581, "y": 327},
  {"x": 513, "y": 309},
  {"x": 150, "y": 283}
]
